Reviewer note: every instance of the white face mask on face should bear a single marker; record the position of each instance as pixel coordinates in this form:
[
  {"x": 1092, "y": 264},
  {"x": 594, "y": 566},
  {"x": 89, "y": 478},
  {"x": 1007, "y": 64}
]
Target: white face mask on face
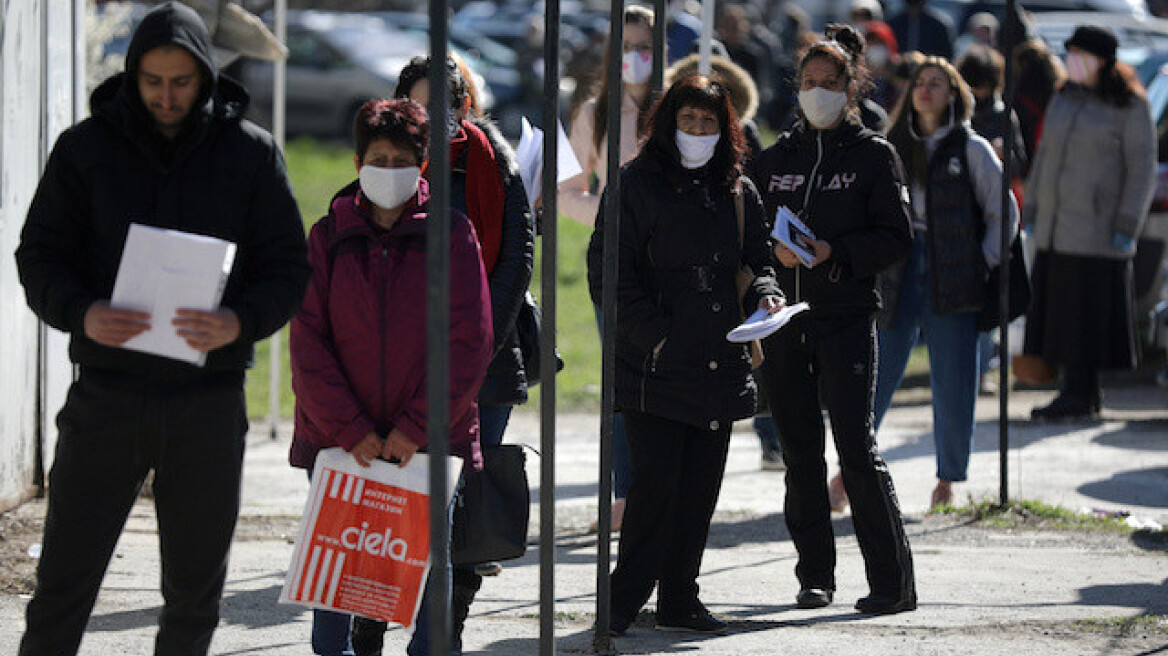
[
  {"x": 636, "y": 68},
  {"x": 389, "y": 188},
  {"x": 822, "y": 107},
  {"x": 696, "y": 150},
  {"x": 1080, "y": 66}
]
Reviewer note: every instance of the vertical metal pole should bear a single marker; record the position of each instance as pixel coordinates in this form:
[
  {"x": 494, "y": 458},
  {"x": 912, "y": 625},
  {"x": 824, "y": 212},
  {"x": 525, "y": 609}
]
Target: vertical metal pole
[
  {"x": 547, "y": 356},
  {"x": 1011, "y": 31},
  {"x": 660, "y": 18},
  {"x": 705, "y": 43},
  {"x": 279, "y": 127},
  {"x": 602, "y": 641},
  {"x": 438, "y": 331}
]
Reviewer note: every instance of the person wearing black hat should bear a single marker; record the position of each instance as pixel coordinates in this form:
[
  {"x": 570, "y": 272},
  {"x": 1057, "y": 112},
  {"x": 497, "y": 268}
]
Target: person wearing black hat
[
  {"x": 166, "y": 146},
  {"x": 1086, "y": 201}
]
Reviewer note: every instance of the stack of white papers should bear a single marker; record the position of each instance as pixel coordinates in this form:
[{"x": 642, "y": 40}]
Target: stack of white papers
[
  {"x": 164, "y": 270},
  {"x": 760, "y": 324},
  {"x": 795, "y": 235},
  {"x": 529, "y": 153}
]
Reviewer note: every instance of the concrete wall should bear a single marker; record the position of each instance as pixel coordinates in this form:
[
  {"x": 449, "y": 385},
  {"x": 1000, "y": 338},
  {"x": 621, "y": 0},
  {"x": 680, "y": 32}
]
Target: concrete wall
[{"x": 39, "y": 83}]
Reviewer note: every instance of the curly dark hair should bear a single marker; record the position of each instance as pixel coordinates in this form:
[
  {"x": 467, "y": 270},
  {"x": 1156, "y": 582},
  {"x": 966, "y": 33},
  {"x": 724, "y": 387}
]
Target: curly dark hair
[
  {"x": 701, "y": 92},
  {"x": 419, "y": 69},
  {"x": 400, "y": 120}
]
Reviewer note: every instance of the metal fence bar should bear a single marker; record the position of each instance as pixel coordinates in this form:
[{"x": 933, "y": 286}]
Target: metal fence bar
[
  {"x": 438, "y": 330},
  {"x": 279, "y": 128},
  {"x": 549, "y": 268},
  {"x": 602, "y": 641},
  {"x": 1012, "y": 30}
]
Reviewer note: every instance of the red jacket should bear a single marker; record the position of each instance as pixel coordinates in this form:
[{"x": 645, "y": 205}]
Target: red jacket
[{"x": 359, "y": 342}]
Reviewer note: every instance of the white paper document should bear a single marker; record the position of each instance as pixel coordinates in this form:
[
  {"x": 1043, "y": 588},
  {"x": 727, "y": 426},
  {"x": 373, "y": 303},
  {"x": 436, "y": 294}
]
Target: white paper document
[
  {"x": 529, "y": 153},
  {"x": 760, "y": 324},
  {"x": 794, "y": 235},
  {"x": 164, "y": 270}
]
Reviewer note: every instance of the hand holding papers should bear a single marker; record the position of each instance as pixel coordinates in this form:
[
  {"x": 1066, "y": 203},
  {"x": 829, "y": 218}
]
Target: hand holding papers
[
  {"x": 529, "y": 153},
  {"x": 760, "y": 324},
  {"x": 164, "y": 270},
  {"x": 793, "y": 234}
]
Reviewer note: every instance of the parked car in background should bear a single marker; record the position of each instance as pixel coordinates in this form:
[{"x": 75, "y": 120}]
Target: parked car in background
[
  {"x": 336, "y": 62},
  {"x": 1151, "y": 262}
]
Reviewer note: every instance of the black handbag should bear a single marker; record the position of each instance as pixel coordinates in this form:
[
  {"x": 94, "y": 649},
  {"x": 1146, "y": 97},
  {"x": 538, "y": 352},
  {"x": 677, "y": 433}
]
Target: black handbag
[
  {"x": 991, "y": 314},
  {"x": 527, "y": 326},
  {"x": 492, "y": 509}
]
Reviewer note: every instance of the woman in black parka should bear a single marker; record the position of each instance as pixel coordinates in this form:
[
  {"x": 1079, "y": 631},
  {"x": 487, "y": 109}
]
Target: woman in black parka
[
  {"x": 847, "y": 185},
  {"x": 679, "y": 382}
]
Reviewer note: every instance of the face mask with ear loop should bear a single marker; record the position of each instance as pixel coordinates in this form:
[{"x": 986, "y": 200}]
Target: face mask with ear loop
[
  {"x": 636, "y": 68},
  {"x": 389, "y": 188}
]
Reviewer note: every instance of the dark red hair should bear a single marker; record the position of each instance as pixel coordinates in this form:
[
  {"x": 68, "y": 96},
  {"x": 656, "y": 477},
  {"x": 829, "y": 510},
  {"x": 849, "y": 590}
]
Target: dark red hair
[{"x": 400, "y": 120}]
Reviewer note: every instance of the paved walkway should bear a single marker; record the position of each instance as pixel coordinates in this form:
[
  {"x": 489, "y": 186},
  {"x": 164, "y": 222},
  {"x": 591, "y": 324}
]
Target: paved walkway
[{"x": 981, "y": 591}]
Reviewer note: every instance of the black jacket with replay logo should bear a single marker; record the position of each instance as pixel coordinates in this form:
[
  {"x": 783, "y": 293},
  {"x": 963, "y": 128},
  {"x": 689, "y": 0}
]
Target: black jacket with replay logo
[{"x": 847, "y": 185}]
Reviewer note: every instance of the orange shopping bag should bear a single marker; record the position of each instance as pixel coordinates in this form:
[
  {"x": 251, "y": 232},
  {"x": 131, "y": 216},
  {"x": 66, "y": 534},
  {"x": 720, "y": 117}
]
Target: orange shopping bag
[{"x": 364, "y": 541}]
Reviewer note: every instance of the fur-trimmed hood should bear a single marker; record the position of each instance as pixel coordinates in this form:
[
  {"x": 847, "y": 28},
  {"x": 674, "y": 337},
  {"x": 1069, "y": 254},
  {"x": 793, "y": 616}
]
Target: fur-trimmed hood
[{"x": 743, "y": 92}]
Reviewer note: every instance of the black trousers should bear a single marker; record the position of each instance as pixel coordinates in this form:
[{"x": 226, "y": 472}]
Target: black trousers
[
  {"x": 835, "y": 360},
  {"x": 677, "y": 473},
  {"x": 112, "y": 433}
]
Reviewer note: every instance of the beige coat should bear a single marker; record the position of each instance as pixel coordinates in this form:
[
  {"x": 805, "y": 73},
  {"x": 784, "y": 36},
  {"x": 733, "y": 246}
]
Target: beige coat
[{"x": 575, "y": 200}]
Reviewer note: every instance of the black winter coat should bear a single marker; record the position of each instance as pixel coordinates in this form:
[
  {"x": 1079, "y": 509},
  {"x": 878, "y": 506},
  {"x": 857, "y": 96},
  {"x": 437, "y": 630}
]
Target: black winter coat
[
  {"x": 847, "y": 185},
  {"x": 679, "y": 253},
  {"x": 506, "y": 382},
  {"x": 222, "y": 177}
]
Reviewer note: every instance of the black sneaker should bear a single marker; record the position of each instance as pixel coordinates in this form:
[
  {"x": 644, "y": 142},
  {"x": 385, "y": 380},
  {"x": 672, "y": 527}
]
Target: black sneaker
[
  {"x": 813, "y": 598},
  {"x": 618, "y": 627},
  {"x": 698, "y": 620},
  {"x": 1066, "y": 409},
  {"x": 878, "y": 605}
]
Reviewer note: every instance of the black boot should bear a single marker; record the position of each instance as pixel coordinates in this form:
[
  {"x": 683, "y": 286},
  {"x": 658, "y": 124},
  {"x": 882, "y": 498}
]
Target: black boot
[
  {"x": 368, "y": 636},
  {"x": 1067, "y": 409},
  {"x": 465, "y": 586}
]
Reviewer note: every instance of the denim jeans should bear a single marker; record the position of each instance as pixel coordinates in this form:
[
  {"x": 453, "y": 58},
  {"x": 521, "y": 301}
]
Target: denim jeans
[
  {"x": 952, "y": 342},
  {"x": 493, "y": 423},
  {"x": 622, "y": 462},
  {"x": 768, "y": 437}
]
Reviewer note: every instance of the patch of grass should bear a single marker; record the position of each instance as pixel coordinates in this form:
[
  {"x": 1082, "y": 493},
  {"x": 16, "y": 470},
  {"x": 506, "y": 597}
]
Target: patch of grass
[
  {"x": 1124, "y": 626},
  {"x": 1033, "y": 515},
  {"x": 317, "y": 171}
]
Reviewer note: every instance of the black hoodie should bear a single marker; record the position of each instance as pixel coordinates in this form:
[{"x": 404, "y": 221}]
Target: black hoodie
[
  {"x": 222, "y": 177},
  {"x": 847, "y": 184}
]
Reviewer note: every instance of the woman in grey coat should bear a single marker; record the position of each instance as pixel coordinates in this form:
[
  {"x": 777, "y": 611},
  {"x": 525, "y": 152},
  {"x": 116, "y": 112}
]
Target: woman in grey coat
[{"x": 1086, "y": 201}]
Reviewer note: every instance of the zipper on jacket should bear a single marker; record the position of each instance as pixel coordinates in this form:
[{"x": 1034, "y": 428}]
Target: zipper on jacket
[
  {"x": 807, "y": 201},
  {"x": 384, "y": 328}
]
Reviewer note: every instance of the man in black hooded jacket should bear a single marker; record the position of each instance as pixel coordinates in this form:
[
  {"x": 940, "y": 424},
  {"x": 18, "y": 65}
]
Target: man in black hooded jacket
[{"x": 165, "y": 146}]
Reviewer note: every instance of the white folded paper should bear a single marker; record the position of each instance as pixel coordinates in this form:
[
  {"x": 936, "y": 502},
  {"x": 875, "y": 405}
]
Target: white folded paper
[
  {"x": 529, "y": 154},
  {"x": 760, "y": 324},
  {"x": 794, "y": 235},
  {"x": 164, "y": 270}
]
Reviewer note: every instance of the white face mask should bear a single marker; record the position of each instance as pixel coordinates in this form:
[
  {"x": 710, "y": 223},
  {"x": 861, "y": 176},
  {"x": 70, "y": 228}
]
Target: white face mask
[
  {"x": 636, "y": 68},
  {"x": 822, "y": 107},
  {"x": 1080, "y": 66},
  {"x": 389, "y": 188},
  {"x": 696, "y": 150}
]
